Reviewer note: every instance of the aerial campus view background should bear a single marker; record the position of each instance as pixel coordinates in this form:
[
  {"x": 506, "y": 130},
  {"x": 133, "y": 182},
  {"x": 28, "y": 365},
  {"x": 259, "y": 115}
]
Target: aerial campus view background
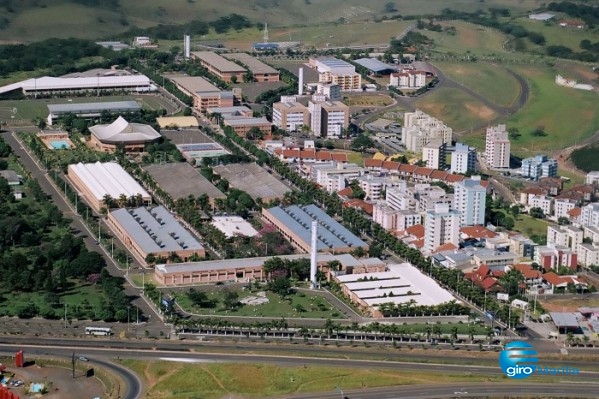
[{"x": 350, "y": 289}]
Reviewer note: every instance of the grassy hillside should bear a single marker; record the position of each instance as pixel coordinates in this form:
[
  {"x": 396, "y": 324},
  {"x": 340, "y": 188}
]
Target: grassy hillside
[{"x": 29, "y": 20}]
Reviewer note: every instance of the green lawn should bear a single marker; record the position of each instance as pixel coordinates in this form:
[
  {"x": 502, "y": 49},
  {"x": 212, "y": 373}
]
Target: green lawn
[
  {"x": 312, "y": 305},
  {"x": 446, "y": 328},
  {"x": 474, "y": 39},
  {"x": 568, "y": 115},
  {"x": 31, "y": 109},
  {"x": 531, "y": 226},
  {"x": 462, "y": 113},
  {"x": 486, "y": 79},
  {"x": 86, "y": 297},
  {"x": 215, "y": 381},
  {"x": 555, "y": 35}
]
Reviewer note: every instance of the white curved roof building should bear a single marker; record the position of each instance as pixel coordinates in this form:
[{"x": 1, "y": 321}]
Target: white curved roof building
[{"x": 133, "y": 136}]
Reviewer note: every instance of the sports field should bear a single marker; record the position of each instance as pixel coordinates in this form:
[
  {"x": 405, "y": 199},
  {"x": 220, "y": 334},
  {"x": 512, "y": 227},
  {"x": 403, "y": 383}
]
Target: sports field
[
  {"x": 456, "y": 109},
  {"x": 31, "y": 109},
  {"x": 486, "y": 79}
]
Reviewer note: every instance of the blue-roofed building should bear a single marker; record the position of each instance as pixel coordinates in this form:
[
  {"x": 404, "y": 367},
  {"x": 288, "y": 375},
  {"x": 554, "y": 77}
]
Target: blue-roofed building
[
  {"x": 155, "y": 231},
  {"x": 376, "y": 66},
  {"x": 295, "y": 223}
]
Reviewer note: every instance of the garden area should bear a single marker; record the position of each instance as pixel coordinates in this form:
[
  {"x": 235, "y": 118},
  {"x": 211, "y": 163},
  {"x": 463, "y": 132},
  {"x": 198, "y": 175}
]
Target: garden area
[{"x": 236, "y": 300}]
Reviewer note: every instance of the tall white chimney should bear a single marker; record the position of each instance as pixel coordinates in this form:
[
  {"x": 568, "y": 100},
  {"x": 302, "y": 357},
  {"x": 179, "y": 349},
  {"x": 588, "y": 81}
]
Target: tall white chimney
[
  {"x": 313, "y": 252},
  {"x": 300, "y": 83},
  {"x": 187, "y": 46}
]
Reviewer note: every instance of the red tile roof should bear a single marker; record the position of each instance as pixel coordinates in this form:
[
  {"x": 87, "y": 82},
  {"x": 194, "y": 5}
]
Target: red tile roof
[
  {"x": 527, "y": 271},
  {"x": 477, "y": 232},
  {"x": 488, "y": 283},
  {"x": 420, "y": 171},
  {"x": 339, "y": 157},
  {"x": 347, "y": 191},
  {"x": 553, "y": 278},
  {"x": 372, "y": 163},
  {"x": 446, "y": 247},
  {"x": 439, "y": 175},
  {"x": 358, "y": 203},
  {"x": 535, "y": 191},
  {"x": 417, "y": 231},
  {"x": 574, "y": 212},
  {"x": 451, "y": 178},
  {"x": 407, "y": 168},
  {"x": 418, "y": 243},
  {"x": 390, "y": 165}
]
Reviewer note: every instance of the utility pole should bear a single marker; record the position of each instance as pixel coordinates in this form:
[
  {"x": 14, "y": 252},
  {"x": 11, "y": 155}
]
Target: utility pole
[
  {"x": 73, "y": 364},
  {"x": 128, "y": 318},
  {"x": 99, "y": 232},
  {"x": 65, "y": 315}
]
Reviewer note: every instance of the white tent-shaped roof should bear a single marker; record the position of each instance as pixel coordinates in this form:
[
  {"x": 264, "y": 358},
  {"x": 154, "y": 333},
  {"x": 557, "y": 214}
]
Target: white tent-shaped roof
[{"x": 121, "y": 131}]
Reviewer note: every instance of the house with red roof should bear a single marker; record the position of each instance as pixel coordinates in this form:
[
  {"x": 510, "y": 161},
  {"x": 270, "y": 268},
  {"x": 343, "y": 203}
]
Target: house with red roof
[
  {"x": 483, "y": 278},
  {"x": 531, "y": 276}
]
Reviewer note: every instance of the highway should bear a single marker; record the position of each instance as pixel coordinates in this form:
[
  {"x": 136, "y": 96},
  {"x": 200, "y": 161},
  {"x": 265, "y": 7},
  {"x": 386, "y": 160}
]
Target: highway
[{"x": 587, "y": 383}]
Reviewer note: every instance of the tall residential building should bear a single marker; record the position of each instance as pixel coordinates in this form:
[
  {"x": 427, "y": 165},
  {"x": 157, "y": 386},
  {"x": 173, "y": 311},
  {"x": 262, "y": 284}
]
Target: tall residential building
[
  {"x": 441, "y": 226},
  {"x": 398, "y": 198},
  {"x": 589, "y": 215},
  {"x": 539, "y": 166},
  {"x": 463, "y": 159},
  {"x": 497, "y": 147},
  {"x": 290, "y": 116},
  {"x": 469, "y": 199},
  {"x": 328, "y": 118},
  {"x": 392, "y": 219},
  {"x": 433, "y": 153},
  {"x": 420, "y": 128}
]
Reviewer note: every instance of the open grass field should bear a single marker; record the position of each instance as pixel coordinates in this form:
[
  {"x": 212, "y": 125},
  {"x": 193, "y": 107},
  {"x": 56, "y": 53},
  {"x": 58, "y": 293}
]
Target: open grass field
[
  {"x": 530, "y": 226},
  {"x": 462, "y": 113},
  {"x": 373, "y": 100},
  {"x": 31, "y": 109},
  {"x": 478, "y": 40},
  {"x": 484, "y": 78},
  {"x": 298, "y": 305},
  {"x": 556, "y": 35},
  {"x": 31, "y": 20},
  {"x": 568, "y": 115},
  {"x": 86, "y": 296},
  {"x": 215, "y": 381}
]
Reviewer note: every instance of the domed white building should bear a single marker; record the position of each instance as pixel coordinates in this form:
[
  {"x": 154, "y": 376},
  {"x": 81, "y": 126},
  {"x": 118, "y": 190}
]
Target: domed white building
[{"x": 133, "y": 136}]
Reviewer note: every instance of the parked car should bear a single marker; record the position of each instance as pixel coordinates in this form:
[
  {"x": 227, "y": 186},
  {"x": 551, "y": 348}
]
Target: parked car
[{"x": 83, "y": 359}]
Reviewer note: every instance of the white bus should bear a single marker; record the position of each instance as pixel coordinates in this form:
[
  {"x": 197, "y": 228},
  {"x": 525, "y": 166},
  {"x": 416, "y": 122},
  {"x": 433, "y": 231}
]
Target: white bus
[{"x": 98, "y": 331}]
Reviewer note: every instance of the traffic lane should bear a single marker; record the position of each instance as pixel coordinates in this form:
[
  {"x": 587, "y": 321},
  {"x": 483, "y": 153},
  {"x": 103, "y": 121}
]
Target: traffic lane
[
  {"x": 90, "y": 242},
  {"x": 459, "y": 390},
  {"x": 132, "y": 383},
  {"x": 186, "y": 347},
  {"x": 282, "y": 360}
]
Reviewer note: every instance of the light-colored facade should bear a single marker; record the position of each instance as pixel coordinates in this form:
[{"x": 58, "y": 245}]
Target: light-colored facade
[
  {"x": 338, "y": 72},
  {"x": 497, "y": 147},
  {"x": 420, "y": 128},
  {"x": 97, "y": 181},
  {"x": 290, "y": 116},
  {"x": 469, "y": 199},
  {"x": 561, "y": 207},
  {"x": 589, "y": 215},
  {"x": 592, "y": 177},
  {"x": 392, "y": 219},
  {"x": 441, "y": 226},
  {"x": 133, "y": 137},
  {"x": 433, "y": 153},
  {"x": 539, "y": 166},
  {"x": 333, "y": 178},
  {"x": 219, "y": 66},
  {"x": 374, "y": 186},
  {"x": 567, "y": 236},
  {"x": 334, "y": 118},
  {"x": 398, "y": 198},
  {"x": 541, "y": 201},
  {"x": 408, "y": 79},
  {"x": 588, "y": 254},
  {"x": 463, "y": 159},
  {"x": 332, "y": 92}
]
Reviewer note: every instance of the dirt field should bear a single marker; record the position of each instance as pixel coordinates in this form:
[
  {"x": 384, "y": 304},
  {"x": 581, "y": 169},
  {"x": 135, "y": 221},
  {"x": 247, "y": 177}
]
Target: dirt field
[
  {"x": 569, "y": 305},
  {"x": 59, "y": 381}
]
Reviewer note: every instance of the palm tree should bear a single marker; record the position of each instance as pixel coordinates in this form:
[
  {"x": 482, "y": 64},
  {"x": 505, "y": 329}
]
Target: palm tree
[{"x": 108, "y": 201}]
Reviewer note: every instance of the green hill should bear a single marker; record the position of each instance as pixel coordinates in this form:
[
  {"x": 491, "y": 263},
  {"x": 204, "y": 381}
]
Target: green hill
[{"x": 30, "y": 20}]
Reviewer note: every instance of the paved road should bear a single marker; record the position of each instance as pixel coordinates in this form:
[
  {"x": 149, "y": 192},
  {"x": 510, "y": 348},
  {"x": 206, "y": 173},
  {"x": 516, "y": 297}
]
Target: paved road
[
  {"x": 133, "y": 386},
  {"x": 77, "y": 224},
  {"x": 587, "y": 381},
  {"x": 565, "y": 389}
]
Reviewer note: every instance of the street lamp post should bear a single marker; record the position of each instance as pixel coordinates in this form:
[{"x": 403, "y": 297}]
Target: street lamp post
[{"x": 65, "y": 315}]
